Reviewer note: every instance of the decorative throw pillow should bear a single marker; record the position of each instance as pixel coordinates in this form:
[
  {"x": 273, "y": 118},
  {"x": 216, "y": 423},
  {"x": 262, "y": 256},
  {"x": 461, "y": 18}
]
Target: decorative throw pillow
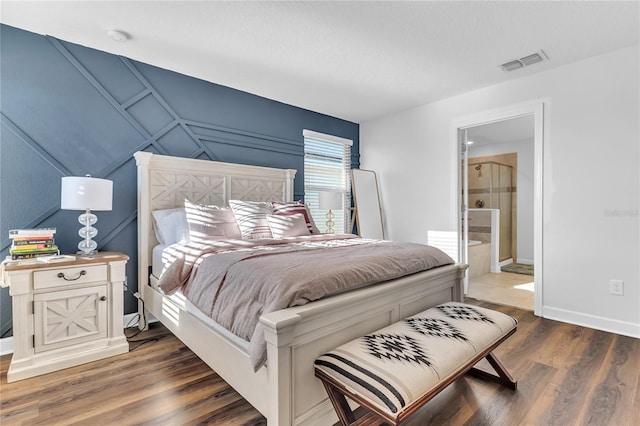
[
  {"x": 251, "y": 217},
  {"x": 287, "y": 226},
  {"x": 296, "y": 207},
  {"x": 210, "y": 222},
  {"x": 170, "y": 226}
]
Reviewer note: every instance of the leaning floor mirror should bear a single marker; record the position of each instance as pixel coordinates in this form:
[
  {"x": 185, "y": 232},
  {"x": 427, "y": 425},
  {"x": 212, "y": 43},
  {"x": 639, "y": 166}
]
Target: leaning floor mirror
[{"x": 368, "y": 213}]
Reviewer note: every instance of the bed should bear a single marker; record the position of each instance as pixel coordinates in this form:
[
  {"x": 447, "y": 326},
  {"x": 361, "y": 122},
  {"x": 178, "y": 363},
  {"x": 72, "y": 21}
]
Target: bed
[{"x": 284, "y": 389}]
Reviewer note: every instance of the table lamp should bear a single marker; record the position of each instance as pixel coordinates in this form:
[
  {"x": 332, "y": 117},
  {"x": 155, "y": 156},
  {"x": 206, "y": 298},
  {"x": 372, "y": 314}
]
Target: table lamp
[
  {"x": 330, "y": 200},
  {"x": 86, "y": 193}
]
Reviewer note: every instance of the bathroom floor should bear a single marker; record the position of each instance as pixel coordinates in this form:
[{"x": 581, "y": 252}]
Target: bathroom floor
[{"x": 504, "y": 288}]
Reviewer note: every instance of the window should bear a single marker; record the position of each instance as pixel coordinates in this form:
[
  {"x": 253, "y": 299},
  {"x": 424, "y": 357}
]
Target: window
[{"x": 327, "y": 166}]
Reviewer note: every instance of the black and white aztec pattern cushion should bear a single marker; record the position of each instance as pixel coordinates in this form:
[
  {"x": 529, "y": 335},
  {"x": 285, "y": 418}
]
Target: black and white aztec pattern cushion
[
  {"x": 434, "y": 327},
  {"x": 463, "y": 312},
  {"x": 252, "y": 218},
  {"x": 399, "y": 347},
  {"x": 398, "y": 364}
]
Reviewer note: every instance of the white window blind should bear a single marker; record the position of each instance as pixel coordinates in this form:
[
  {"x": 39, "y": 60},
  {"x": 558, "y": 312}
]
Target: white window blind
[{"x": 327, "y": 166}]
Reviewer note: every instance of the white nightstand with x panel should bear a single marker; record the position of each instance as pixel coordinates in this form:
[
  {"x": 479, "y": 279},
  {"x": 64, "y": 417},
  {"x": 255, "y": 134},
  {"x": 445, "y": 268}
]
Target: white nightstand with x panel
[{"x": 65, "y": 314}]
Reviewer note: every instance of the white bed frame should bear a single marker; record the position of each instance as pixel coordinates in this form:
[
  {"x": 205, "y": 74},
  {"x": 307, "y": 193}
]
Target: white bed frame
[{"x": 285, "y": 390}]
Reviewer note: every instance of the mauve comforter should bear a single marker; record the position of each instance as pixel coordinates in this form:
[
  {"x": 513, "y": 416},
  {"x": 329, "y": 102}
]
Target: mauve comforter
[{"x": 235, "y": 282}]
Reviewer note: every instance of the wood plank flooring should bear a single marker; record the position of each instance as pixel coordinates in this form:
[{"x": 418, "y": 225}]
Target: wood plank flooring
[{"x": 567, "y": 375}]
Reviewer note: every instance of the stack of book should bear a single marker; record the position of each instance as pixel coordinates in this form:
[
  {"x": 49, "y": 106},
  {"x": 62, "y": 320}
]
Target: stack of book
[{"x": 32, "y": 243}]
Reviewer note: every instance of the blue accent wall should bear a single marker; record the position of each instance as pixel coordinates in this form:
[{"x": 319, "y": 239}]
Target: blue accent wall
[{"x": 67, "y": 110}]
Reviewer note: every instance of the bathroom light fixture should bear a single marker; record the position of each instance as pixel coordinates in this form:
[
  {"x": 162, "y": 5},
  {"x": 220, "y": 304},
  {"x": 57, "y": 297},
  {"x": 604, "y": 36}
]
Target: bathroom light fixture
[
  {"x": 470, "y": 142},
  {"x": 86, "y": 193},
  {"x": 118, "y": 35}
]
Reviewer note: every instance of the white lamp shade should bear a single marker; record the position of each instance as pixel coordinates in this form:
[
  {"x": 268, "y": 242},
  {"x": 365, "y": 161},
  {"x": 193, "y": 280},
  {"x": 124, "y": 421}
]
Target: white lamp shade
[
  {"x": 82, "y": 193},
  {"x": 330, "y": 200}
]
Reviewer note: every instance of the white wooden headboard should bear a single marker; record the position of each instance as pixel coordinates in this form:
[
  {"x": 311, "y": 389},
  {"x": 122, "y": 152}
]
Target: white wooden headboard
[{"x": 165, "y": 182}]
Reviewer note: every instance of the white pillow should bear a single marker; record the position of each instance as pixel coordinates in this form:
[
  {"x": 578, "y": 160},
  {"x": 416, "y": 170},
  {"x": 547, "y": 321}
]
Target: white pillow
[
  {"x": 171, "y": 226},
  {"x": 252, "y": 218},
  {"x": 288, "y": 226}
]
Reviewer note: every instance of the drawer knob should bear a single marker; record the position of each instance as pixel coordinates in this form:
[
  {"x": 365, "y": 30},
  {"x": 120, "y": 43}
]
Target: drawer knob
[
  {"x": 61, "y": 275},
  {"x": 103, "y": 298}
]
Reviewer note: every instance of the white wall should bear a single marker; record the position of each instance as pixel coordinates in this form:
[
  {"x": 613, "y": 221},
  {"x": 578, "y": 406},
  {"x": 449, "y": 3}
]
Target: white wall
[
  {"x": 591, "y": 180},
  {"x": 524, "y": 190}
]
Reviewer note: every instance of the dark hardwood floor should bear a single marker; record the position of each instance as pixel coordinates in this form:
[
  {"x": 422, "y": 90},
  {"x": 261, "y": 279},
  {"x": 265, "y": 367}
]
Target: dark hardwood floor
[{"x": 567, "y": 375}]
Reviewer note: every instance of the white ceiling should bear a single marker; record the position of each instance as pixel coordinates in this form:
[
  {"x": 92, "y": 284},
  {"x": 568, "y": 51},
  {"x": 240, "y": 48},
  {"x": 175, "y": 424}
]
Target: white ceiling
[
  {"x": 505, "y": 131},
  {"x": 354, "y": 60}
]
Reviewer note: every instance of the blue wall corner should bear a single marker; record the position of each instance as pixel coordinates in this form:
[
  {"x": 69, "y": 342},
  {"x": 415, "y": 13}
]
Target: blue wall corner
[{"x": 68, "y": 110}]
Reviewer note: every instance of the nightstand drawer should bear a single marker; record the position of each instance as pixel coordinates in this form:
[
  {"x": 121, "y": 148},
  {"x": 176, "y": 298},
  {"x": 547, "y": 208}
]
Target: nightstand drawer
[{"x": 69, "y": 276}]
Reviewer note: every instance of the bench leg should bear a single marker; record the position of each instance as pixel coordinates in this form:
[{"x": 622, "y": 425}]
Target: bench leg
[
  {"x": 503, "y": 377},
  {"x": 340, "y": 404},
  {"x": 344, "y": 412}
]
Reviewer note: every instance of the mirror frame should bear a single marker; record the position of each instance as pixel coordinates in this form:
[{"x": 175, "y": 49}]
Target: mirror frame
[{"x": 366, "y": 198}]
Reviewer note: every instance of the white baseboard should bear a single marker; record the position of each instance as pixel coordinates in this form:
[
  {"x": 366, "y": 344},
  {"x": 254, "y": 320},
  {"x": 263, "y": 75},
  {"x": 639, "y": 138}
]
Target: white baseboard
[
  {"x": 624, "y": 328},
  {"x": 525, "y": 261},
  {"x": 6, "y": 344},
  {"x": 130, "y": 320},
  {"x": 506, "y": 262}
]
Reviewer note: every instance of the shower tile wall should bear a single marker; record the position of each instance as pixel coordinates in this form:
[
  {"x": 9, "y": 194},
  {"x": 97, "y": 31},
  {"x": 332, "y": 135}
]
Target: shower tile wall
[
  {"x": 480, "y": 230},
  {"x": 480, "y": 225}
]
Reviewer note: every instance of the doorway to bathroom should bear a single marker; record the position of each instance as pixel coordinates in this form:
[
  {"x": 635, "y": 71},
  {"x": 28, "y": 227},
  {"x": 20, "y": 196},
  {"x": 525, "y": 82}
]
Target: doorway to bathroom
[{"x": 500, "y": 194}]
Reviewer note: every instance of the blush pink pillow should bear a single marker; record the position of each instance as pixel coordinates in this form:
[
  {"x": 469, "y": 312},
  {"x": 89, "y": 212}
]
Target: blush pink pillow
[
  {"x": 251, "y": 218},
  {"x": 287, "y": 226},
  {"x": 296, "y": 207},
  {"x": 210, "y": 222}
]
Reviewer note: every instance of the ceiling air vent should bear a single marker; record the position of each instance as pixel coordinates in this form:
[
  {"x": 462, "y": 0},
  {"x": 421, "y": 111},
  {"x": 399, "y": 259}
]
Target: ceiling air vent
[
  {"x": 525, "y": 61},
  {"x": 531, "y": 59},
  {"x": 513, "y": 65}
]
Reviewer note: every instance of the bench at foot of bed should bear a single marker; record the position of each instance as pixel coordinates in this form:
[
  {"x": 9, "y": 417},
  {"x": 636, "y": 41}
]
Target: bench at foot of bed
[{"x": 394, "y": 371}]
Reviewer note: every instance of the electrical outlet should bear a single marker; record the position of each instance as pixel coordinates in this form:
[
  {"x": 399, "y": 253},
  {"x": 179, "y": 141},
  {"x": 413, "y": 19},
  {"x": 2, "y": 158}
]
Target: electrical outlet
[{"x": 616, "y": 287}]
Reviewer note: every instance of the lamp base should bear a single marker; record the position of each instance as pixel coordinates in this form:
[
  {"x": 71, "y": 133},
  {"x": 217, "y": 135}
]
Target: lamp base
[
  {"x": 87, "y": 247},
  {"x": 330, "y": 223}
]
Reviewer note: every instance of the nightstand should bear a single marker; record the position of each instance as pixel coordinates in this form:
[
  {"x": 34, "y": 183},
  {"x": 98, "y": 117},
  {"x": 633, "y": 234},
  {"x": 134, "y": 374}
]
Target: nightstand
[{"x": 66, "y": 313}]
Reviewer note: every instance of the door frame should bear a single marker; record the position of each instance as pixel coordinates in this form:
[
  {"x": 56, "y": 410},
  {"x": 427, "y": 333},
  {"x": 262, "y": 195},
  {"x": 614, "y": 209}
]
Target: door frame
[{"x": 540, "y": 110}]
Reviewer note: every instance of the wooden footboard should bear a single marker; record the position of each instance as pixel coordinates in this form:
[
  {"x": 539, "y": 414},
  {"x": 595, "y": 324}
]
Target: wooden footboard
[
  {"x": 286, "y": 390},
  {"x": 297, "y": 336}
]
